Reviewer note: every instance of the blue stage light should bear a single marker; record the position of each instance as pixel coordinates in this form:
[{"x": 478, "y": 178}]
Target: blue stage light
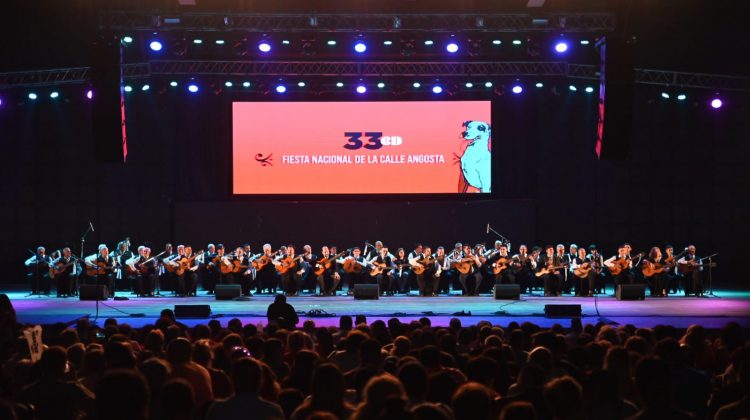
[
  {"x": 517, "y": 89},
  {"x": 280, "y": 88},
  {"x": 361, "y": 89},
  {"x": 155, "y": 46},
  {"x": 561, "y": 47},
  {"x": 452, "y": 47},
  {"x": 437, "y": 89},
  {"x": 360, "y": 47},
  {"x": 33, "y": 96},
  {"x": 264, "y": 47},
  {"x": 193, "y": 88}
]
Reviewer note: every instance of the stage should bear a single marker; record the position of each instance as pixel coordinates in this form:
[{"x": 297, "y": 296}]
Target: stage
[{"x": 679, "y": 311}]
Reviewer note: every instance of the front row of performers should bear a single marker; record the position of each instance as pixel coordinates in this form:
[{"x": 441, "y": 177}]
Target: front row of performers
[{"x": 581, "y": 271}]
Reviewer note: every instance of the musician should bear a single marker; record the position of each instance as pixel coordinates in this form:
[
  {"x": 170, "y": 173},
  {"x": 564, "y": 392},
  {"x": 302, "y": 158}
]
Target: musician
[
  {"x": 673, "y": 279},
  {"x": 145, "y": 268},
  {"x": 445, "y": 274},
  {"x": 265, "y": 271},
  {"x": 330, "y": 278},
  {"x": 523, "y": 265},
  {"x": 565, "y": 283},
  {"x": 536, "y": 256},
  {"x": 401, "y": 271},
  {"x": 121, "y": 255},
  {"x": 658, "y": 281},
  {"x": 474, "y": 271},
  {"x": 692, "y": 272},
  {"x": 207, "y": 270},
  {"x": 291, "y": 280},
  {"x": 550, "y": 263},
  {"x": 68, "y": 268},
  {"x": 385, "y": 278},
  {"x": 624, "y": 277},
  {"x": 355, "y": 274},
  {"x": 38, "y": 272},
  {"x": 104, "y": 263},
  {"x": 597, "y": 262},
  {"x": 413, "y": 277},
  {"x": 243, "y": 269},
  {"x": 500, "y": 260},
  {"x": 426, "y": 280},
  {"x": 163, "y": 276},
  {"x": 309, "y": 279},
  {"x": 582, "y": 273},
  {"x": 187, "y": 280},
  {"x": 635, "y": 273}
]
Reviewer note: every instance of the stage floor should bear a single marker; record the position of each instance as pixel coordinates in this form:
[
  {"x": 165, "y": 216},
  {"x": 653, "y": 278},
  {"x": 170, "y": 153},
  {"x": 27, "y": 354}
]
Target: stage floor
[{"x": 712, "y": 312}]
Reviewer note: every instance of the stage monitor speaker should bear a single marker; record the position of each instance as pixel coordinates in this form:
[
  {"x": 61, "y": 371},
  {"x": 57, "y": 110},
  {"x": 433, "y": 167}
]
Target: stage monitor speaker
[
  {"x": 108, "y": 101},
  {"x": 192, "y": 311},
  {"x": 631, "y": 292},
  {"x": 366, "y": 291},
  {"x": 508, "y": 291},
  {"x": 227, "y": 291},
  {"x": 93, "y": 292},
  {"x": 562, "y": 311},
  {"x": 616, "y": 88}
]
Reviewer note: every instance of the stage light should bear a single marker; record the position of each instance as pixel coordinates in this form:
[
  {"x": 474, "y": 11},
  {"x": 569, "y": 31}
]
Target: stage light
[
  {"x": 428, "y": 42},
  {"x": 488, "y": 85},
  {"x": 452, "y": 47},
  {"x": 301, "y": 84},
  {"x": 219, "y": 42},
  {"x": 193, "y": 88},
  {"x": 361, "y": 89},
  {"x": 264, "y": 47},
  {"x": 589, "y": 89},
  {"x": 387, "y": 42},
  {"x": 145, "y": 88},
  {"x": 516, "y": 42},
  {"x": 716, "y": 103},
  {"x": 285, "y": 42},
  {"x": 561, "y": 47},
  {"x": 665, "y": 95},
  {"x": 517, "y": 89},
  {"x": 681, "y": 97},
  {"x": 331, "y": 42},
  {"x": 155, "y": 46},
  {"x": 584, "y": 42},
  {"x": 128, "y": 88},
  {"x": 437, "y": 89},
  {"x": 197, "y": 41},
  {"x": 246, "y": 84},
  {"x": 496, "y": 42},
  {"x": 572, "y": 88},
  {"x": 469, "y": 85},
  {"x": 33, "y": 96},
  {"x": 539, "y": 84},
  {"x": 90, "y": 94},
  {"x": 127, "y": 39},
  {"x": 1, "y": 102},
  {"x": 360, "y": 47},
  {"x": 339, "y": 84},
  {"x": 381, "y": 85},
  {"x": 228, "y": 83},
  {"x": 416, "y": 85},
  {"x": 54, "y": 95},
  {"x": 173, "y": 83},
  {"x": 280, "y": 88}
]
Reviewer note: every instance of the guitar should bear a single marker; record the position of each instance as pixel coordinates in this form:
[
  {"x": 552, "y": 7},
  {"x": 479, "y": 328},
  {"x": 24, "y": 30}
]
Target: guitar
[
  {"x": 58, "y": 268},
  {"x": 353, "y": 266},
  {"x": 141, "y": 267},
  {"x": 378, "y": 268},
  {"x": 621, "y": 264},
  {"x": 549, "y": 269},
  {"x": 583, "y": 270},
  {"x": 263, "y": 261},
  {"x": 501, "y": 265},
  {"x": 690, "y": 266},
  {"x": 287, "y": 263},
  {"x": 184, "y": 264},
  {"x": 463, "y": 265},
  {"x": 421, "y": 265},
  {"x": 324, "y": 264},
  {"x": 99, "y": 268}
]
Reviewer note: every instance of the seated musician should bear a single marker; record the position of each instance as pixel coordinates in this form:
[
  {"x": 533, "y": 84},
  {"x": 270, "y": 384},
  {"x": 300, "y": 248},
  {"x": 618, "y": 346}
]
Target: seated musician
[
  {"x": 265, "y": 275},
  {"x": 124, "y": 280},
  {"x": 242, "y": 272},
  {"x": 582, "y": 273},
  {"x": 164, "y": 277},
  {"x": 356, "y": 273},
  {"x": 425, "y": 268},
  {"x": 502, "y": 262},
  {"x": 445, "y": 274},
  {"x": 673, "y": 280},
  {"x": 692, "y": 272},
  {"x": 523, "y": 266},
  {"x": 169, "y": 281},
  {"x": 101, "y": 268},
  {"x": 549, "y": 270},
  {"x": 66, "y": 272},
  {"x": 188, "y": 278},
  {"x": 565, "y": 283},
  {"x": 475, "y": 265},
  {"x": 412, "y": 283},
  {"x": 291, "y": 279},
  {"x": 657, "y": 281},
  {"x": 145, "y": 268},
  {"x": 309, "y": 280},
  {"x": 597, "y": 262},
  {"x": 206, "y": 272},
  {"x": 329, "y": 279},
  {"x": 401, "y": 271},
  {"x": 623, "y": 276},
  {"x": 38, "y": 272},
  {"x": 383, "y": 264}
]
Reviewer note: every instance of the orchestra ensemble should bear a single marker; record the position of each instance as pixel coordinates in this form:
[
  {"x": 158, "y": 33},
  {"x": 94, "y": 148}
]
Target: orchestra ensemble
[{"x": 555, "y": 270}]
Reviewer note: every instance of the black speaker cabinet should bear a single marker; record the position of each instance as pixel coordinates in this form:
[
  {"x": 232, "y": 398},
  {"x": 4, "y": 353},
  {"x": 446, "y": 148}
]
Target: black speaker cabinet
[
  {"x": 227, "y": 291},
  {"x": 508, "y": 291},
  {"x": 562, "y": 311},
  {"x": 366, "y": 291},
  {"x": 192, "y": 311},
  {"x": 93, "y": 292},
  {"x": 631, "y": 292}
]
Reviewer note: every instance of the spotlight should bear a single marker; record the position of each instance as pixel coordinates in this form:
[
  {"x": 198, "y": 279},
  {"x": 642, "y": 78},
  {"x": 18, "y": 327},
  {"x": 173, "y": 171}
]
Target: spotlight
[
  {"x": 285, "y": 42},
  {"x": 128, "y": 88},
  {"x": 387, "y": 42},
  {"x": 572, "y": 88},
  {"x": 173, "y": 83},
  {"x": 716, "y": 103},
  {"x": 331, "y": 42},
  {"x": 90, "y": 94},
  {"x": 301, "y": 84},
  {"x": 488, "y": 85},
  {"x": 437, "y": 89},
  {"x": 1, "y": 102},
  {"x": 428, "y": 42},
  {"x": 584, "y": 42},
  {"x": 280, "y": 88},
  {"x": 339, "y": 84},
  {"x": 416, "y": 85},
  {"x": 127, "y": 39},
  {"x": 589, "y": 89},
  {"x": 54, "y": 95},
  {"x": 193, "y": 88},
  {"x": 452, "y": 47},
  {"x": 32, "y": 96},
  {"x": 145, "y": 87},
  {"x": 665, "y": 95},
  {"x": 155, "y": 46},
  {"x": 246, "y": 84},
  {"x": 360, "y": 47},
  {"x": 517, "y": 89},
  {"x": 469, "y": 85},
  {"x": 381, "y": 85},
  {"x": 197, "y": 41},
  {"x": 219, "y": 42},
  {"x": 561, "y": 47},
  {"x": 361, "y": 89},
  {"x": 539, "y": 84},
  {"x": 228, "y": 83},
  {"x": 264, "y": 47},
  {"x": 681, "y": 97},
  {"x": 516, "y": 42},
  {"x": 496, "y": 42}
]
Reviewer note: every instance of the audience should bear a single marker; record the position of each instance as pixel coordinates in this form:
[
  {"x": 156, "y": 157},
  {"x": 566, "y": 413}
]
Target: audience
[{"x": 378, "y": 371}]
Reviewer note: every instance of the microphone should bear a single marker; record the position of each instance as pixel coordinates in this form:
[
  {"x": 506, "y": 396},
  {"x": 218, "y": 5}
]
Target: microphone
[
  {"x": 488, "y": 228},
  {"x": 91, "y": 226}
]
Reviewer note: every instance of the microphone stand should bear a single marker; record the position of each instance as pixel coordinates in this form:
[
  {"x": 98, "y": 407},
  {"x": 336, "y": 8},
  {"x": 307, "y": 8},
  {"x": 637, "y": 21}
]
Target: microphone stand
[
  {"x": 710, "y": 276},
  {"x": 83, "y": 241},
  {"x": 502, "y": 238}
]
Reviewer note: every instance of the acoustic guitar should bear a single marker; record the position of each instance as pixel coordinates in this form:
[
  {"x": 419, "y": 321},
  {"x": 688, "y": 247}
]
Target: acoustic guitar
[
  {"x": 583, "y": 270},
  {"x": 690, "y": 266},
  {"x": 378, "y": 268},
  {"x": 621, "y": 264},
  {"x": 353, "y": 266},
  {"x": 502, "y": 264},
  {"x": 463, "y": 265},
  {"x": 287, "y": 263},
  {"x": 263, "y": 261},
  {"x": 422, "y": 265},
  {"x": 324, "y": 264},
  {"x": 184, "y": 263},
  {"x": 549, "y": 269},
  {"x": 58, "y": 268},
  {"x": 99, "y": 268}
]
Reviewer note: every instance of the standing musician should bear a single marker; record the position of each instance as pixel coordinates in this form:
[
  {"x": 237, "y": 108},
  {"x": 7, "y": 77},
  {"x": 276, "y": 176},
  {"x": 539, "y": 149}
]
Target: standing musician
[
  {"x": 401, "y": 271},
  {"x": 64, "y": 270},
  {"x": 100, "y": 268},
  {"x": 622, "y": 258},
  {"x": 38, "y": 272},
  {"x": 654, "y": 272},
  {"x": 523, "y": 266},
  {"x": 548, "y": 268},
  {"x": 329, "y": 278},
  {"x": 206, "y": 272},
  {"x": 144, "y": 268},
  {"x": 309, "y": 280},
  {"x": 582, "y": 273},
  {"x": 692, "y": 271},
  {"x": 354, "y": 272},
  {"x": 383, "y": 265},
  {"x": 291, "y": 270},
  {"x": 425, "y": 267},
  {"x": 597, "y": 263},
  {"x": 474, "y": 264},
  {"x": 500, "y": 264},
  {"x": 186, "y": 275},
  {"x": 445, "y": 274},
  {"x": 265, "y": 272}
]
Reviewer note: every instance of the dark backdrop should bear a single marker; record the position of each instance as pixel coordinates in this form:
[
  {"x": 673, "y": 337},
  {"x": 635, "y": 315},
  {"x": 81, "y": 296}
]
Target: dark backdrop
[{"x": 684, "y": 182}]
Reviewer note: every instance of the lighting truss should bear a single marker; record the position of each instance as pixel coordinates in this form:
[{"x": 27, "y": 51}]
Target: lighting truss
[
  {"x": 79, "y": 75},
  {"x": 352, "y": 22}
]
